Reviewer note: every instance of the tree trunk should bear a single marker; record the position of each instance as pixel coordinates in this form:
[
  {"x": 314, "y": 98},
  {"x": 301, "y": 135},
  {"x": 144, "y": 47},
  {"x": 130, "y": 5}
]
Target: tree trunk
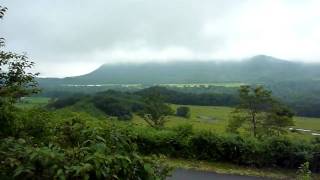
[{"x": 254, "y": 125}]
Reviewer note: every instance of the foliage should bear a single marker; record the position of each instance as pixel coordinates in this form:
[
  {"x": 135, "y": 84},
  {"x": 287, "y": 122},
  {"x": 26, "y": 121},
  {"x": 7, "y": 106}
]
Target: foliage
[
  {"x": 236, "y": 121},
  {"x": 112, "y": 103},
  {"x": 65, "y": 101},
  {"x": 32, "y": 122},
  {"x": 76, "y": 150},
  {"x": 270, "y": 152},
  {"x": 6, "y": 116},
  {"x": 181, "y": 97},
  {"x": 183, "y": 111},
  {"x": 48, "y": 148},
  {"x": 91, "y": 160},
  {"x": 15, "y": 82},
  {"x": 277, "y": 120},
  {"x": 161, "y": 141},
  {"x": 264, "y": 114},
  {"x": 304, "y": 173},
  {"x": 156, "y": 110},
  {"x": 113, "y": 107}
]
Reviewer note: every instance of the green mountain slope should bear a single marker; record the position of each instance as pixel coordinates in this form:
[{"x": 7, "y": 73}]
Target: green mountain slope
[{"x": 258, "y": 69}]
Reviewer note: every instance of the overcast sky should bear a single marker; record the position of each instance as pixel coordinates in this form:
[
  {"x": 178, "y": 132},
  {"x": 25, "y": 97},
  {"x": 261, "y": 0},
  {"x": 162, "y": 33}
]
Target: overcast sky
[{"x": 72, "y": 37}]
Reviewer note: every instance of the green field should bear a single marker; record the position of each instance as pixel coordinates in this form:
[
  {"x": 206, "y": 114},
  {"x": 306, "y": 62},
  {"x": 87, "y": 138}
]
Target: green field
[
  {"x": 29, "y": 102},
  {"x": 215, "y": 118},
  {"x": 209, "y": 118}
]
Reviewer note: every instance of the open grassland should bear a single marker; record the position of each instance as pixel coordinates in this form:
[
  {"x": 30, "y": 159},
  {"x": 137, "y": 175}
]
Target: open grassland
[
  {"x": 203, "y": 118},
  {"x": 215, "y": 118}
]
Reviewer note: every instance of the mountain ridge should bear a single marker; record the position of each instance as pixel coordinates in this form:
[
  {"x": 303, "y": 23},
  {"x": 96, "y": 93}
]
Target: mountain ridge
[{"x": 256, "y": 69}]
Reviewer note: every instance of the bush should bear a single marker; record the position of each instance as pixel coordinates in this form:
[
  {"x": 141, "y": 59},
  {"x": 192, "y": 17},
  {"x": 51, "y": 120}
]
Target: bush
[
  {"x": 182, "y": 142},
  {"x": 304, "y": 173},
  {"x": 183, "y": 131},
  {"x": 205, "y": 146},
  {"x": 88, "y": 154},
  {"x": 183, "y": 111},
  {"x": 282, "y": 152},
  {"x": 7, "y": 117},
  {"x": 153, "y": 141},
  {"x": 33, "y": 122},
  {"x": 231, "y": 148},
  {"x": 315, "y": 162}
]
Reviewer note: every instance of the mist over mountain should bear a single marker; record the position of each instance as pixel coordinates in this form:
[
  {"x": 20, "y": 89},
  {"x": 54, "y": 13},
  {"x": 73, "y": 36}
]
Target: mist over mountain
[{"x": 258, "y": 69}]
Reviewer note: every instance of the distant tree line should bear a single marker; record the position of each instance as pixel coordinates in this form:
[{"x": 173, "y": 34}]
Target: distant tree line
[
  {"x": 304, "y": 103},
  {"x": 202, "y": 99}
]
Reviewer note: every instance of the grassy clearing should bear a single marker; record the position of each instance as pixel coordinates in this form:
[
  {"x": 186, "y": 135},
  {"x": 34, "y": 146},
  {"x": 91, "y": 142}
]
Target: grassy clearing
[
  {"x": 29, "y": 102},
  {"x": 202, "y": 118}
]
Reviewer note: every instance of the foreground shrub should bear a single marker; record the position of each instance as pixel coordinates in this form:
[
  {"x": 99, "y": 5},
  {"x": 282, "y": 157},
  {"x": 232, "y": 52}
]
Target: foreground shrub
[
  {"x": 33, "y": 122},
  {"x": 212, "y": 147},
  {"x": 184, "y": 143},
  {"x": 76, "y": 150},
  {"x": 7, "y": 116},
  {"x": 93, "y": 159},
  {"x": 304, "y": 172},
  {"x": 153, "y": 141},
  {"x": 315, "y": 162},
  {"x": 282, "y": 152}
]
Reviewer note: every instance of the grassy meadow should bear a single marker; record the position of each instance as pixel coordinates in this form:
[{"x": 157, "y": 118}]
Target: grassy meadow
[
  {"x": 215, "y": 118},
  {"x": 203, "y": 118}
]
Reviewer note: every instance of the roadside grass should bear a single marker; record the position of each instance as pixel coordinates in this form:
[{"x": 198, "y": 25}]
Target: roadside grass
[{"x": 226, "y": 168}]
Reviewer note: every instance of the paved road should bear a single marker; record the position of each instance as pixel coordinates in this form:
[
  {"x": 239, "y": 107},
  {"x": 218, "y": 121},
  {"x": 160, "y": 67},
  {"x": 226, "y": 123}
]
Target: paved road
[{"x": 184, "y": 174}]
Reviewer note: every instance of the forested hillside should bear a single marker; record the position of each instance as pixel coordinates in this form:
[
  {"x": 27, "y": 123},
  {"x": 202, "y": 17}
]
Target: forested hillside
[{"x": 258, "y": 69}]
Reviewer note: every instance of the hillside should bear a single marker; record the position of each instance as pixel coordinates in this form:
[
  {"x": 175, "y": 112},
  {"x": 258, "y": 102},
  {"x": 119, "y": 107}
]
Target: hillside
[{"x": 258, "y": 69}]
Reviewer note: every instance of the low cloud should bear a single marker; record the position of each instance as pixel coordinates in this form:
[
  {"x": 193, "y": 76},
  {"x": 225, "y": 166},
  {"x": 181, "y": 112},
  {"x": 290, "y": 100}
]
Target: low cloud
[{"x": 76, "y": 36}]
